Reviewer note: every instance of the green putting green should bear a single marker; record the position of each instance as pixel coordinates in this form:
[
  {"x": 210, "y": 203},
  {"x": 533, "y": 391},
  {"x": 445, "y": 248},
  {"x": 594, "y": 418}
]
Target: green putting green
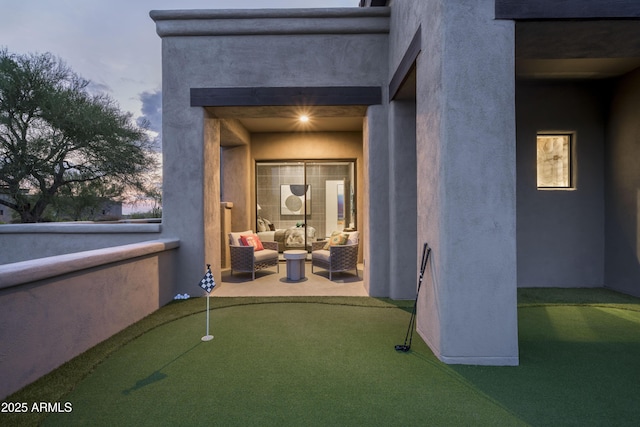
[
  {"x": 331, "y": 361},
  {"x": 277, "y": 364},
  {"x": 579, "y": 365}
]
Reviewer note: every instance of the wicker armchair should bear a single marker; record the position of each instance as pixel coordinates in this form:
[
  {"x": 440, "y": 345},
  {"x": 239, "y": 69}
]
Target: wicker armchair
[
  {"x": 245, "y": 260},
  {"x": 336, "y": 258}
]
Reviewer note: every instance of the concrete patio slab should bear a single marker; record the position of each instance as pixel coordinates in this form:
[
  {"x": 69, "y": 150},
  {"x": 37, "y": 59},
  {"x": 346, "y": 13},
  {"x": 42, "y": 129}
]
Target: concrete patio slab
[{"x": 270, "y": 283}]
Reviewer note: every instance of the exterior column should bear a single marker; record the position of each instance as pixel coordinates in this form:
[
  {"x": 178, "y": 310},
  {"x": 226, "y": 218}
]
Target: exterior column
[
  {"x": 466, "y": 207},
  {"x": 402, "y": 200},
  {"x": 239, "y": 186},
  {"x": 211, "y": 195},
  {"x": 376, "y": 200},
  {"x": 191, "y": 198}
]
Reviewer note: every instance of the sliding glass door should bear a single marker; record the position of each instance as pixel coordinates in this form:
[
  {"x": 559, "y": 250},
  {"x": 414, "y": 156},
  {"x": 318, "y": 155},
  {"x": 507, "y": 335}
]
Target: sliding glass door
[{"x": 298, "y": 202}]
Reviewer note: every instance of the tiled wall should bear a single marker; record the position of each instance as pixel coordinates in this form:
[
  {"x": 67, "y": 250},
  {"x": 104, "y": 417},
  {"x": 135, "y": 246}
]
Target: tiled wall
[{"x": 270, "y": 176}]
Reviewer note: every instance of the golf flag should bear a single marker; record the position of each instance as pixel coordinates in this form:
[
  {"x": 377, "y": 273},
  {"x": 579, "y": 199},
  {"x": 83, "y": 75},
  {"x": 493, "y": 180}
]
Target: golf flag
[{"x": 208, "y": 283}]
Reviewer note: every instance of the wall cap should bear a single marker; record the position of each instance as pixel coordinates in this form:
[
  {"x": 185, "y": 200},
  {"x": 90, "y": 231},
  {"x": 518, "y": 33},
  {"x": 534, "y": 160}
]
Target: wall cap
[
  {"x": 80, "y": 228},
  {"x": 23, "y": 272}
]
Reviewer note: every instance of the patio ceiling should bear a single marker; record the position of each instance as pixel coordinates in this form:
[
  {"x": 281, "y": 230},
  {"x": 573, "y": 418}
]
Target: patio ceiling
[
  {"x": 577, "y": 49},
  {"x": 287, "y": 118}
]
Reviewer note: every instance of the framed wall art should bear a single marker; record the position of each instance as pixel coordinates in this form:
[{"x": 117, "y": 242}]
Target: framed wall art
[{"x": 292, "y": 199}]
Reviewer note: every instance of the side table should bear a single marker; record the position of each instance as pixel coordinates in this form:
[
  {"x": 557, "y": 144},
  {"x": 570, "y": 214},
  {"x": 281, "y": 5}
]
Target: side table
[{"x": 295, "y": 264}]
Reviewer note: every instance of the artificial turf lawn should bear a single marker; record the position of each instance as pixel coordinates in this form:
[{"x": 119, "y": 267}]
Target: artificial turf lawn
[
  {"x": 317, "y": 361},
  {"x": 268, "y": 366}
]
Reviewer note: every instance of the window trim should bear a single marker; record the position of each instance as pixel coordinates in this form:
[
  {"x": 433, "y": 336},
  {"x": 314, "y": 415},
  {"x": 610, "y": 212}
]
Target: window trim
[{"x": 572, "y": 160}]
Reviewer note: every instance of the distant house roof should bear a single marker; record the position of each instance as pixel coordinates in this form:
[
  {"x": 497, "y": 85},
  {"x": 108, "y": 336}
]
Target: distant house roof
[{"x": 372, "y": 3}]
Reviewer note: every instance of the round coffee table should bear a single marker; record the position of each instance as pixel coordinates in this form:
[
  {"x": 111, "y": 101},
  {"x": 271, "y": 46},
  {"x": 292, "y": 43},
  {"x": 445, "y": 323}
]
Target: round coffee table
[{"x": 295, "y": 264}]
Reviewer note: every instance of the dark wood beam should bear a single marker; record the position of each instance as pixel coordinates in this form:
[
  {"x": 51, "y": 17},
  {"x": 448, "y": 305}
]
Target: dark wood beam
[
  {"x": 567, "y": 9},
  {"x": 283, "y": 96},
  {"x": 406, "y": 63}
]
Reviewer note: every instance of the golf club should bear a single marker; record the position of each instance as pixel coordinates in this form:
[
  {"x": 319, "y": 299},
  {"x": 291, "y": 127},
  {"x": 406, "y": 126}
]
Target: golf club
[{"x": 426, "y": 250}]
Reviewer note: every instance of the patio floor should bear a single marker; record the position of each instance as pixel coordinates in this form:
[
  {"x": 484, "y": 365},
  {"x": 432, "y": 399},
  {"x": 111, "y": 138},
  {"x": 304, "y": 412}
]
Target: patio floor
[{"x": 270, "y": 283}]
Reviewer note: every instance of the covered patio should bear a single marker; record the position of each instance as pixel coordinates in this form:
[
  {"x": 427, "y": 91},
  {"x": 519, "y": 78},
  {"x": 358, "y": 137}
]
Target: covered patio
[{"x": 270, "y": 283}]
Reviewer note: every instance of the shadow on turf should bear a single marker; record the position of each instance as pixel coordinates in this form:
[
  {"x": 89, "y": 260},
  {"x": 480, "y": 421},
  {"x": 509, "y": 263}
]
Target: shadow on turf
[
  {"x": 578, "y": 362},
  {"x": 157, "y": 375}
]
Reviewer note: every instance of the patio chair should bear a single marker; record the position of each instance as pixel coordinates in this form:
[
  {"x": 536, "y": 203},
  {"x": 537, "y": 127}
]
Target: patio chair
[
  {"x": 336, "y": 258},
  {"x": 246, "y": 259}
]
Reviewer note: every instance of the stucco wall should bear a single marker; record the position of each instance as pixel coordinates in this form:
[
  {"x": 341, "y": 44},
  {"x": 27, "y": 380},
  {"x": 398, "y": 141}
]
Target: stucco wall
[
  {"x": 403, "y": 184},
  {"x": 561, "y": 232},
  {"x": 407, "y": 18},
  {"x": 211, "y": 193},
  {"x": 79, "y": 301},
  {"x": 236, "y": 187},
  {"x": 466, "y": 174},
  {"x": 377, "y": 248},
  {"x": 622, "y": 255}
]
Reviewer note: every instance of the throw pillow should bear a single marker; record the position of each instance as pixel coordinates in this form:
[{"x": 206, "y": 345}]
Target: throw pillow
[
  {"x": 353, "y": 237},
  {"x": 340, "y": 239},
  {"x": 337, "y": 238},
  {"x": 252, "y": 240},
  {"x": 328, "y": 241}
]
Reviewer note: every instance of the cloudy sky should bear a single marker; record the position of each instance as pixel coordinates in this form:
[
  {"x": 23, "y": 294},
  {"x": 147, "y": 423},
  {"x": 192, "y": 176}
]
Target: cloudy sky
[{"x": 112, "y": 43}]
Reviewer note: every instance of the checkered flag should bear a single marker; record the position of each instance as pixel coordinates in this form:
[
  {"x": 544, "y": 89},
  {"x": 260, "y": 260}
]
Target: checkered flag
[{"x": 208, "y": 283}]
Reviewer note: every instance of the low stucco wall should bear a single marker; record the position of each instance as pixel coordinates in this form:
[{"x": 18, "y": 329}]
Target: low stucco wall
[
  {"x": 21, "y": 242},
  {"x": 53, "y": 309}
]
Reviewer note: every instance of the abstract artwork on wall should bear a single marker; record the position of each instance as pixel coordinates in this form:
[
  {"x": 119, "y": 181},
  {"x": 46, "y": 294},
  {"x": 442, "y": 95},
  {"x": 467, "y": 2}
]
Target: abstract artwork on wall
[
  {"x": 292, "y": 198},
  {"x": 340, "y": 202}
]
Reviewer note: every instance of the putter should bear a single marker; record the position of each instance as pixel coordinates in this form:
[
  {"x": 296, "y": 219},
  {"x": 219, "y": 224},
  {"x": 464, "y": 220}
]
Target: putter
[{"x": 426, "y": 250}]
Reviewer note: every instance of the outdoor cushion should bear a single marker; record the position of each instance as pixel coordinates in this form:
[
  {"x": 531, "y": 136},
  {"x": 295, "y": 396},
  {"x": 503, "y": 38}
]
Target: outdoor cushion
[
  {"x": 264, "y": 255},
  {"x": 234, "y": 238},
  {"x": 322, "y": 255}
]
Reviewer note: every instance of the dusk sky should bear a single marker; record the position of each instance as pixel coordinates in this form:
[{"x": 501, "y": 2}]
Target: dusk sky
[{"x": 112, "y": 43}]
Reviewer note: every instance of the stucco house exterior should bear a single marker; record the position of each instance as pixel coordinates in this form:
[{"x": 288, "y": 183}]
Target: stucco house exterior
[
  {"x": 458, "y": 115},
  {"x": 6, "y": 214}
]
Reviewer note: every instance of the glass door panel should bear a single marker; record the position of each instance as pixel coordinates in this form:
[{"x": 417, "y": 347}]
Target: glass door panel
[
  {"x": 298, "y": 202},
  {"x": 333, "y": 192}
]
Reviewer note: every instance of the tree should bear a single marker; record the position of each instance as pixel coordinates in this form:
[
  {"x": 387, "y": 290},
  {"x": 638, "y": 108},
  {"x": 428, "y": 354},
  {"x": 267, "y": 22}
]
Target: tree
[
  {"x": 54, "y": 134},
  {"x": 82, "y": 200}
]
